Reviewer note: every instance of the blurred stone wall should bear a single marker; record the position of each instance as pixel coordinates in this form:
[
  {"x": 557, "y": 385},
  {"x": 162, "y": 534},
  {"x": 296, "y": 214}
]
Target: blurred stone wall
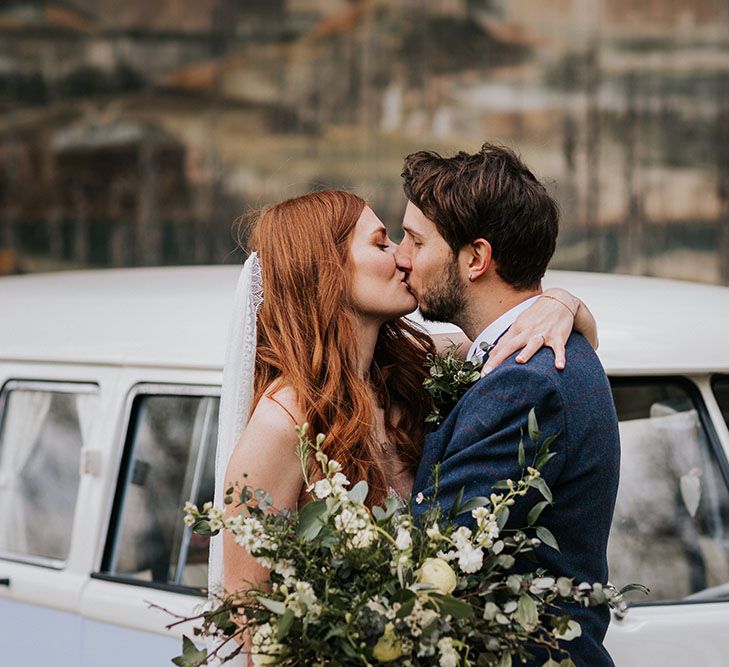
[{"x": 135, "y": 133}]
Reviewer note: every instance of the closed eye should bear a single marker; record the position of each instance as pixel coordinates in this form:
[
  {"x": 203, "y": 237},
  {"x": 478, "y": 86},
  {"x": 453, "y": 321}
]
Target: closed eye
[{"x": 383, "y": 246}]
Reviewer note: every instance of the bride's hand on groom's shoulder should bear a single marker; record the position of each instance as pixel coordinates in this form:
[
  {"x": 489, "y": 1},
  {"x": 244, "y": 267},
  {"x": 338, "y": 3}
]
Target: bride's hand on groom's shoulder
[{"x": 548, "y": 322}]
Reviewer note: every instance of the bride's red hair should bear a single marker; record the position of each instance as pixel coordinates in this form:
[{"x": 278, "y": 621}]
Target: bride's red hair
[{"x": 306, "y": 339}]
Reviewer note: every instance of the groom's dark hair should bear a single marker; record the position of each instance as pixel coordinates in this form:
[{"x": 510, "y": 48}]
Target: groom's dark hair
[{"x": 492, "y": 195}]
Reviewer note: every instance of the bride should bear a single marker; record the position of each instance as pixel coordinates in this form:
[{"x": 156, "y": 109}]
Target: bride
[{"x": 318, "y": 335}]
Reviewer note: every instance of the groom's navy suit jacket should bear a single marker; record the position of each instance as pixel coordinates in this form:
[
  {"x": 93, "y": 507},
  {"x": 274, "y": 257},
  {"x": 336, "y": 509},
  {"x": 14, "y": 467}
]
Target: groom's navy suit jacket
[{"x": 477, "y": 445}]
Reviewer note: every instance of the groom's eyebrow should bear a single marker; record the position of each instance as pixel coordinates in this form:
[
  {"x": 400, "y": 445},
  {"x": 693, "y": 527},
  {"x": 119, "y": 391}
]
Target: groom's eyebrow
[{"x": 408, "y": 230}]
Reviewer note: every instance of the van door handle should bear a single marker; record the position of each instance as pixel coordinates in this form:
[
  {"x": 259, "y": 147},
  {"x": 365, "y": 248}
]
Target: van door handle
[{"x": 4, "y": 581}]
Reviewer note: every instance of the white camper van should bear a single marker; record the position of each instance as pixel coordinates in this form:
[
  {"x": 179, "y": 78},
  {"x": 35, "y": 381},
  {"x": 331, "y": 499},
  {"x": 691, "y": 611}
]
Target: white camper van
[{"x": 109, "y": 391}]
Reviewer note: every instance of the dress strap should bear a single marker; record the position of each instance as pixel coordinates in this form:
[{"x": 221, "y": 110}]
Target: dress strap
[{"x": 283, "y": 407}]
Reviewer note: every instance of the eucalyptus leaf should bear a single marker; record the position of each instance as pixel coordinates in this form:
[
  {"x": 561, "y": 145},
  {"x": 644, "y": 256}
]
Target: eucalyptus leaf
[
  {"x": 310, "y": 523},
  {"x": 473, "y": 503},
  {"x": 358, "y": 492},
  {"x": 284, "y": 624},
  {"x": 449, "y": 605},
  {"x": 391, "y": 506},
  {"x": 546, "y": 536},
  {"x": 273, "y": 605},
  {"x": 544, "y": 447},
  {"x": 527, "y": 614},
  {"x": 535, "y": 512},
  {"x": 522, "y": 454},
  {"x": 456, "y": 507},
  {"x": 542, "y": 459},
  {"x": 542, "y": 487},
  {"x": 502, "y": 517},
  {"x": 534, "y": 433}
]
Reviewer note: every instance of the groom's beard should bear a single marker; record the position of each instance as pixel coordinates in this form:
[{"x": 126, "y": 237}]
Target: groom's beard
[{"x": 445, "y": 296}]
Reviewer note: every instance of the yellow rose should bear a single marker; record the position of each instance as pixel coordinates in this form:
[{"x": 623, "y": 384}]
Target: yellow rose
[
  {"x": 437, "y": 573},
  {"x": 388, "y": 647}
]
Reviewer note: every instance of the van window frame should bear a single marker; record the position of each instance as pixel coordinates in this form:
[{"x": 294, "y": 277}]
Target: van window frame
[
  {"x": 716, "y": 378},
  {"x": 49, "y": 386},
  {"x": 712, "y": 437},
  {"x": 113, "y": 525}
]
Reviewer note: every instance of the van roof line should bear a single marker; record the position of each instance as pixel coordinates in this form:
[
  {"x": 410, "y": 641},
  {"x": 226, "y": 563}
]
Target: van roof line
[{"x": 178, "y": 317}]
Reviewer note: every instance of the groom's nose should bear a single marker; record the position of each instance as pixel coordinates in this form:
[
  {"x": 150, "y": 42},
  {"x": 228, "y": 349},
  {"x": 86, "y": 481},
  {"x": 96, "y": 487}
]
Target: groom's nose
[{"x": 402, "y": 258}]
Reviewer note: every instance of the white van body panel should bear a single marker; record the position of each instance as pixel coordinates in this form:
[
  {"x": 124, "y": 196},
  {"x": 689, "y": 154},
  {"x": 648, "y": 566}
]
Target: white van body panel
[{"x": 120, "y": 329}]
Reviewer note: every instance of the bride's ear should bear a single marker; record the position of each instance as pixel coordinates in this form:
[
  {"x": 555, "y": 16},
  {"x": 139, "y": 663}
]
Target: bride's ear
[{"x": 477, "y": 257}]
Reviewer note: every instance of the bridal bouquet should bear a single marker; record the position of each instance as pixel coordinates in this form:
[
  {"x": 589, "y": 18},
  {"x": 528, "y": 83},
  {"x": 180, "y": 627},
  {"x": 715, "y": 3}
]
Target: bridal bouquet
[{"x": 350, "y": 585}]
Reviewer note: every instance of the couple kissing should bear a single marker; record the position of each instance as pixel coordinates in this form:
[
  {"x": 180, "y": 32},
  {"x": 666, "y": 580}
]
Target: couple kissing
[{"x": 319, "y": 335}]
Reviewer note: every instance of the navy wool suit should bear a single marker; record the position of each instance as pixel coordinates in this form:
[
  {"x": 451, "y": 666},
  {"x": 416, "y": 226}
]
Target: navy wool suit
[{"x": 477, "y": 445}]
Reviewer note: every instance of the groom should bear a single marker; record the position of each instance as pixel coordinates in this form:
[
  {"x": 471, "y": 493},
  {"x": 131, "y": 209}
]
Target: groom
[{"x": 479, "y": 231}]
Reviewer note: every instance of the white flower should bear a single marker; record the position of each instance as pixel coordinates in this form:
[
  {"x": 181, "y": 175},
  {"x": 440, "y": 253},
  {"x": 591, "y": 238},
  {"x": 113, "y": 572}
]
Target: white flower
[
  {"x": 419, "y": 498},
  {"x": 437, "y": 573},
  {"x": 403, "y": 541},
  {"x": 419, "y": 619},
  {"x": 462, "y": 536},
  {"x": 322, "y": 488},
  {"x": 286, "y": 569},
  {"x": 303, "y": 601},
  {"x": 448, "y": 656},
  {"x": 215, "y": 518},
  {"x": 339, "y": 481},
  {"x": 470, "y": 560},
  {"x": 265, "y": 651},
  {"x": 433, "y": 532},
  {"x": 249, "y": 533}
]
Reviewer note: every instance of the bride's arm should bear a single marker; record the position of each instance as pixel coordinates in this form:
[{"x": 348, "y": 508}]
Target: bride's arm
[
  {"x": 266, "y": 455},
  {"x": 551, "y": 315},
  {"x": 546, "y": 323}
]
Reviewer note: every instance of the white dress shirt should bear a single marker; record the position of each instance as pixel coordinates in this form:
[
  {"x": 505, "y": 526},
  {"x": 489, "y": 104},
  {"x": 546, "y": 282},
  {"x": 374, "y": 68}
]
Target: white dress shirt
[{"x": 492, "y": 332}]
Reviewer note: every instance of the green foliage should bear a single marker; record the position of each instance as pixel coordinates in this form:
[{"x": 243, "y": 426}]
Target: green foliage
[
  {"x": 350, "y": 585},
  {"x": 191, "y": 656},
  {"x": 449, "y": 377}
]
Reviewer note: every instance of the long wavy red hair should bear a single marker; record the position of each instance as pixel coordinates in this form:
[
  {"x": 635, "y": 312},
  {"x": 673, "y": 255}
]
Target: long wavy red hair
[{"x": 307, "y": 341}]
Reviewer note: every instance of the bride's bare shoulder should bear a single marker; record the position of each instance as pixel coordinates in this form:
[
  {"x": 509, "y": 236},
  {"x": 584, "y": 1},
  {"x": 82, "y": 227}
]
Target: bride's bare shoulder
[
  {"x": 283, "y": 398},
  {"x": 278, "y": 409},
  {"x": 270, "y": 430}
]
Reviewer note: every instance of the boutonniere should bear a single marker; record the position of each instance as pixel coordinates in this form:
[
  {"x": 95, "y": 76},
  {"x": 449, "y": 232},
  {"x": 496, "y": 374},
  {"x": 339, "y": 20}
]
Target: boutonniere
[{"x": 449, "y": 377}]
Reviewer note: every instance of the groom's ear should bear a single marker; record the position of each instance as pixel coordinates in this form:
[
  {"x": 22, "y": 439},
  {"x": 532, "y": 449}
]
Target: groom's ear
[{"x": 478, "y": 258}]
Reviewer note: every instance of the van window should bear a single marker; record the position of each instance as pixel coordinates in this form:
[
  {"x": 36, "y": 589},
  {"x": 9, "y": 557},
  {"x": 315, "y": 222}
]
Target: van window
[
  {"x": 670, "y": 526},
  {"x": 169, "y": 459},
  {"x": 720, "y": 385},
  {"x": 42, "y": 431}
]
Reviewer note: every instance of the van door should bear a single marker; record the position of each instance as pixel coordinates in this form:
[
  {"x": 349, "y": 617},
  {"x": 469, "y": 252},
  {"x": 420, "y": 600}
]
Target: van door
[
  {"x": 151, "y": 562},
  {"x": 46, "y": 427},
  {"x": 671, "y": 527}
]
